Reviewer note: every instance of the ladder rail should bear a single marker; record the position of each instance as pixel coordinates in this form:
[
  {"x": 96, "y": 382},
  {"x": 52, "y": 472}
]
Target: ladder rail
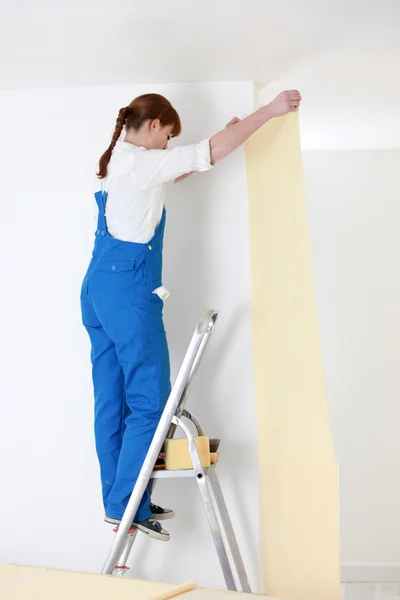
[
  {"x": 175, "y": 403},
  {"x": 121, "y": 568},
  {"x": 209, "y": 508},
  {"x": 188, "y": 386},
  {"x": 214, "y": 511},
  {"x": 229, "y": 531}
]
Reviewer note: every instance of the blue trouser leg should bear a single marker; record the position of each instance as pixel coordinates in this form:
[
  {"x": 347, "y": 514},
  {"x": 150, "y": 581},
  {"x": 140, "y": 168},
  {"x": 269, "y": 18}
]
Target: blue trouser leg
[
  {"x": 109, "y": 407},
  {"x": 142, "y": 352}
]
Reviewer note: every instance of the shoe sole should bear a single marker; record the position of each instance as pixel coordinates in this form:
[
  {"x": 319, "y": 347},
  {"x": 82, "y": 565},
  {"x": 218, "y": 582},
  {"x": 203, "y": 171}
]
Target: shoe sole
[
  {"x": 112, "y": 521},
  {"x": 164, "y": 516},
  {"x": 163, "y": 537}
]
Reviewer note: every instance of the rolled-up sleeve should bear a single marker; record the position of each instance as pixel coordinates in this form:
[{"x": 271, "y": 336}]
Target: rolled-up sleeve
[{"x": 154, "y": 167}]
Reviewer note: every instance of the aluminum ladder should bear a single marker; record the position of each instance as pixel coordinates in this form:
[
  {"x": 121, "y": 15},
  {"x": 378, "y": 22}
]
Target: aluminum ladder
[{"x": 209, "y": 488}]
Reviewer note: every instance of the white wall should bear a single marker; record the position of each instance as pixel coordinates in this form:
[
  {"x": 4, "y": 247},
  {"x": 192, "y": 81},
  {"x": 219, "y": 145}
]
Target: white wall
[
  {"x": 354, "y": 215},
  {"x": 350, "y": 85},
  {"x": 51, "y": 512}
]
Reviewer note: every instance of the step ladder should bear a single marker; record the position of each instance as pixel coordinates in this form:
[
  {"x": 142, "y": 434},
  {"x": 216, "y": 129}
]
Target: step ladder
[{"x": 209, "y": 488}]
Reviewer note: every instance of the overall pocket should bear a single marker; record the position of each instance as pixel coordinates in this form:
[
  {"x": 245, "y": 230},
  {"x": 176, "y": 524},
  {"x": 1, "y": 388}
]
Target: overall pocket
[{"x": 112, "y": 282}]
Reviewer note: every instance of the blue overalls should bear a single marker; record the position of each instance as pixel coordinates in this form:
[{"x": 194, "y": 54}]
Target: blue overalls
[{"x": 129, "y": 354}]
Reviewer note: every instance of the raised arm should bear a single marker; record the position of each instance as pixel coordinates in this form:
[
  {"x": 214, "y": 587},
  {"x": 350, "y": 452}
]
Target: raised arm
[
  {"x": 226, "y": 141},
  {"x": 238, "y": 131}
]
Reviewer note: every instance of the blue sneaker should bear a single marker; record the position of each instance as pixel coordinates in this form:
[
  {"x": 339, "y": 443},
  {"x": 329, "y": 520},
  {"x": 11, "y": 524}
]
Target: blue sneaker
[
  {"x": 150, "y": 527},
  {"x": 161, "y": 514}
]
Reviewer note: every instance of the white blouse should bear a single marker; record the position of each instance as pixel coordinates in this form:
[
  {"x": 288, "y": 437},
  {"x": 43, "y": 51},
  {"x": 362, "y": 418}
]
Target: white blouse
[{"x": 135, "y": 185}]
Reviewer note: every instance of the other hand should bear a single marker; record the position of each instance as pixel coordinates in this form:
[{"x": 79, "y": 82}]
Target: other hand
[{"x": 285, "y": 102}]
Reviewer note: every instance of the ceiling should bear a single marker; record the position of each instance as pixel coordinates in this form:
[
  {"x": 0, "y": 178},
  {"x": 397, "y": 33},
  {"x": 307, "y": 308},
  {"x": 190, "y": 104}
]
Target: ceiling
[
  {"x": 49, "y": 43},
  {"x": 341, "y": 53}
]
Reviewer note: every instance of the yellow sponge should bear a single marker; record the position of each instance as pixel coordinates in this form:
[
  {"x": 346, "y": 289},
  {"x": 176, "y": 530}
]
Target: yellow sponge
[{"x": 177, "y": 457}]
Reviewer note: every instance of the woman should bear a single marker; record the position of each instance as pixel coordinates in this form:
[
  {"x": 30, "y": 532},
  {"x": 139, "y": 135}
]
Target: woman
[{"x": 122, "y": 293}]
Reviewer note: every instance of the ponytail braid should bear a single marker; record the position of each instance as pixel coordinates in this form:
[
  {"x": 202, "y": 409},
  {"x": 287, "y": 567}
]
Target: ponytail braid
[{"x": 105, "y": 159}]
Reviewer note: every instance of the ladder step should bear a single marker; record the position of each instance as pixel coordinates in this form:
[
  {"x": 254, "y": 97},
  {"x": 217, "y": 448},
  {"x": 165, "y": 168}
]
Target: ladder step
[{"x": 179, "y": 474}]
